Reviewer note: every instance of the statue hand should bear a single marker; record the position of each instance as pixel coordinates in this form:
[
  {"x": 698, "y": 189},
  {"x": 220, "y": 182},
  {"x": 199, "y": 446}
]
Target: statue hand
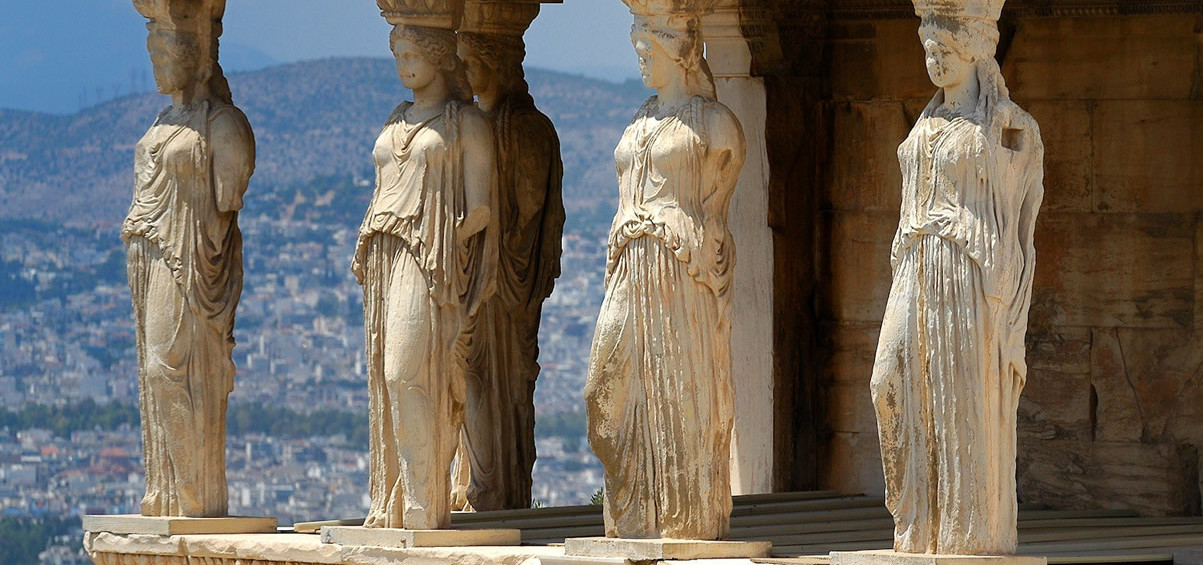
[{"x": 474, "y": 223}]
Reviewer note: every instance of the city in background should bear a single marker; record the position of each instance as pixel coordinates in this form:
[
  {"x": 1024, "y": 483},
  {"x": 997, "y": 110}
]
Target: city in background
[{"x": 297, "y": 438}]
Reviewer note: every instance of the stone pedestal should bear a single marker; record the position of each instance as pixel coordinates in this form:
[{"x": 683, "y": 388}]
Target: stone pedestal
[
  {"x": 176, "y": 525},
  {"x": 287, "y": 548},
  {"x": 658, "y": 549},
  {"x": 887, "y": 557},
  {"x": 404, "y": 539}
]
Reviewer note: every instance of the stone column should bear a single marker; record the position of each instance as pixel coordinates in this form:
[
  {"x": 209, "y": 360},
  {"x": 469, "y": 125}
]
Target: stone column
[
  {"x": 497, "y": 447},
  {"x": 184, "y": 261},
  {"x": 730, "y": 60}
]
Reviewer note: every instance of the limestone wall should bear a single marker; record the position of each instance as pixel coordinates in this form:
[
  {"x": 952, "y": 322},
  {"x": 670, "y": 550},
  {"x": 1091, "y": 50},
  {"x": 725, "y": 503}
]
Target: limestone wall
[{"x": 1113, "y": 410}]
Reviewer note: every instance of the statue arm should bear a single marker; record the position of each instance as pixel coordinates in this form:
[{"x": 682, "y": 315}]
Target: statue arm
[
  {"x": 728, "y": 149},
  {"x": 533, "y": 156},
  {"x": 480, "y": 175},
  {"x": 539, "y": 186},
  {"x": 1031, "y": 159},
  {"x": 233, "y": 147},
  {"x": 727, "y": 137}
]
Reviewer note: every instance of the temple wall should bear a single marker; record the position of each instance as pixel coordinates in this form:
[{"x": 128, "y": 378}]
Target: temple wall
[{"x": 1113, "y": 410}]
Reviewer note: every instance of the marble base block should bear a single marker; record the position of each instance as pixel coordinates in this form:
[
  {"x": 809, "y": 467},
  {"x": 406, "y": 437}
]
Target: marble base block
[
  {"x": 655, "y": 549},
  {"x": 176, "y": 525},
  {"x": 398, "y": 538},
  {"x": 887, "y": 557}
]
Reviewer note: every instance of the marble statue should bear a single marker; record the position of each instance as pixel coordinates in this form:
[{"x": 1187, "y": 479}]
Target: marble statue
[
  {"x": 184, "y": 251},
  {"x": 426, "y": 259},
  {"x": 659, "y": 394},
  {"x": 950, "y": 362},
  {"x": 497, "y": 454}
]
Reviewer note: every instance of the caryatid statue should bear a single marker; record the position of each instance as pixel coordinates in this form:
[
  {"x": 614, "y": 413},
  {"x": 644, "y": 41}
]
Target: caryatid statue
[
  {"x": 493, "y": 467},
  {"x": 426, "y": 258},
  {"x": 185, "y": 260},
  {"x": 950, "y": 361},
  {"x": 659, "y": 394}
]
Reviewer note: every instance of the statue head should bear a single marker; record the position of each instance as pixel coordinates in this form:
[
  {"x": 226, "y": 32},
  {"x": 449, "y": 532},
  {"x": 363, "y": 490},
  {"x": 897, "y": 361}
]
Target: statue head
[
  {"x": 491, "y": 46},
  {"x": 671, "y": 48},
  {"x": 493, "y": 62},
  {"x": 958, "y": 36},
  {"x": 426, "y": 54},
  {"x": 182, "y": 41},
  {"x": 174, "y": 57}
]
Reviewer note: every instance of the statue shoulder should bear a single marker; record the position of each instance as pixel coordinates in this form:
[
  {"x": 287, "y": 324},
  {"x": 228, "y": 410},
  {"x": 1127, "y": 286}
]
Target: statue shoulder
[
  {"x": 398, "y": 113},
  {"x": 646, "y": 109},
  {"x": 230, "y": 125},
  {"x": 530, "y": 119},
  {"x": 1015, "y": 119},
  {"x": 472, "y": 118},
  {"x": 722, "y": 126},
  {"x": 475, "y": 132}
]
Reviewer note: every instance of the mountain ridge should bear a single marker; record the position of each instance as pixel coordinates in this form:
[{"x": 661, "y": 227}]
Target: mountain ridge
[{"x": 311, "y": 119}]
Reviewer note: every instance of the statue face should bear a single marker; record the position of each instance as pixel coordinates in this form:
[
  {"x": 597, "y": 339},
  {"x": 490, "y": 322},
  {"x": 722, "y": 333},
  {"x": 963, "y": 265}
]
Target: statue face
[
  {"x": 481, "y": 77},
  {"x": 174, "y": 67},
  {"x": 655, "y": 64},
  {"x": 948, "y": 62},
  {"x": 415, "y": 70}
]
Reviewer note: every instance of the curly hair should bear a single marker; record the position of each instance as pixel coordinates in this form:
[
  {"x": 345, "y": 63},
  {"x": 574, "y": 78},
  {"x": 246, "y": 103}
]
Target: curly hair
[
  {"x": 502, "y": 53},
  {"x": 439, "y": 47}
]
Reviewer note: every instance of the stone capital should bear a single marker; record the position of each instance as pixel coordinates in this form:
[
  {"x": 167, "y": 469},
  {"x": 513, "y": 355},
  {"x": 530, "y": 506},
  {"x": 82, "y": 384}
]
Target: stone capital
[
  {"x": 440, "y": 14},
  {"x": 731, "y": 33},
  {"x": 502, "y": 17}
]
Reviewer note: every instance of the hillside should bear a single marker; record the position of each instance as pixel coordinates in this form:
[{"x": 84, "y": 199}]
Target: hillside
[{"x": 312, "y": 120}]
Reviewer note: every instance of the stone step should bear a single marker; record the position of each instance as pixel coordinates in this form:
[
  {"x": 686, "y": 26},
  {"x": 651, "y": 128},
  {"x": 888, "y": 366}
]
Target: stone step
[
  {"x": 1115, "y": 533},
  {"x": 767, "y": 500},
  {"x": 820, "y": 516},
  {"x": 1107, "y": 522},
  {"x": 1057, "y": 543},
  {"x": 882, "y": 523},
  {"x": 1079, "y": 558},
  {"x": 1025, "y": 537},
  {"x": 1130, "y": 542}
]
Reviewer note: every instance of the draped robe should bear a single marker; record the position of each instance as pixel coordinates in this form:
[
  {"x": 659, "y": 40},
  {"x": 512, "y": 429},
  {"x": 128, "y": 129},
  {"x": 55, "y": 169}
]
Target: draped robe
[
  {"x": 497, "y": 453},
  {"x": 950, "y": 365},
  {"x": 659, "y": 394},
  {"x": 185, "y": 273},
  {"x": 420, "y": 290}
]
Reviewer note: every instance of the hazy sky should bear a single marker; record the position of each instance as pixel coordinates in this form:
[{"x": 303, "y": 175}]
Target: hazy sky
[{"x": 80, "y": 52}]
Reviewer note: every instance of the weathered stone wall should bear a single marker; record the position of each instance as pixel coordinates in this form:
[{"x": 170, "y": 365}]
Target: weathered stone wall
[{"x": 1113, "y": 410}]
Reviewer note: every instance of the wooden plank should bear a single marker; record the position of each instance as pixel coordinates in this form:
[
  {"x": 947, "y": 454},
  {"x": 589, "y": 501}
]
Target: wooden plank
[
  {"x": 802, "y": 512},
  {"x": 1068, "y": 514},
  {"x": 820, "y": 550},
  {"x": 1148, "y": 542},
  {"x": 827, "y": 538},
  {"x": 560, "y": 534},
  {"x": 830, "y": 516},
  {"x": 1092, "y": 557},
  {"x": 813, "y": 527},
  {"x": 749, "y": 499},
  {"x": 536, "y": 523},
  {"x": 491, "y": 515},
  {"x": 807, "y": 506},
  {"x": 793, "y": 560},
  {"x": 752, "y": 501},
  {"x": 1108, "y": 533},
  {"x": 1107, "y": 522},
  {"x": 1111, "y": 557}
]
